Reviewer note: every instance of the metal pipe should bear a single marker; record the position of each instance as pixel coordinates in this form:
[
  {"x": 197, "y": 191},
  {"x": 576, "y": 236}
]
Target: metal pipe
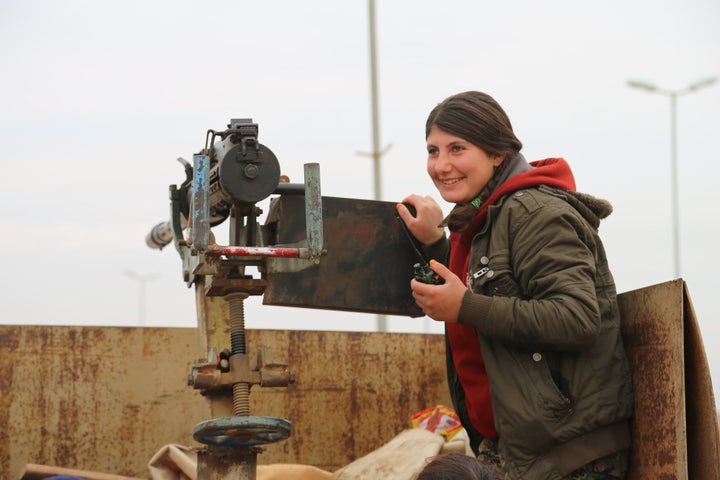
[
  {"x": 227, "y": 463},
  {"x": 376, "y": 153},
  {"x": 237, "y": 251},
  {"x": 313, "y": 210},
  {"x": 675, "y": 190}
]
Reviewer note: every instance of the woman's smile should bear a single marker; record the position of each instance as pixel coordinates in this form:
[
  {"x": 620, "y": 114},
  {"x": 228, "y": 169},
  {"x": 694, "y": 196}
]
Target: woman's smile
[{"x": 458, "y": 168}]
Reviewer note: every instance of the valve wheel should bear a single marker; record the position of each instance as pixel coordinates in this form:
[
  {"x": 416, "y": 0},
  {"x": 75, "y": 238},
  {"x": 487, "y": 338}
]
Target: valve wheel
[{"x": 242, "y": 431}]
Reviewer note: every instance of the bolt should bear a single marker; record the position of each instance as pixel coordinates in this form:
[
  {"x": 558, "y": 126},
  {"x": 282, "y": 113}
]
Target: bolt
[{"x": 251, "y": 170}]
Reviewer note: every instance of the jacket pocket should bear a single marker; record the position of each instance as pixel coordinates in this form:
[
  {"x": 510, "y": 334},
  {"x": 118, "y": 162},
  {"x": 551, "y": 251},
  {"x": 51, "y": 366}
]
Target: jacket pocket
[
  {"x": 556, "y": 405},
  {"x": 530, "y": 409},
  {"x": 492, "y": 275}
]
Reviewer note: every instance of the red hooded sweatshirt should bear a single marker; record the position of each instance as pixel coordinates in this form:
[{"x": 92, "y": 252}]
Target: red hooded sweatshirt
[{"x": 466, "y": 352}]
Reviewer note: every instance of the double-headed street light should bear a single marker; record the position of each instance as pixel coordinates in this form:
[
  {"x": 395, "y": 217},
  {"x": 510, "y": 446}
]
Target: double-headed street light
[
  {"x": 673, "y": 95},
  {"x": 142, "y": 282}
]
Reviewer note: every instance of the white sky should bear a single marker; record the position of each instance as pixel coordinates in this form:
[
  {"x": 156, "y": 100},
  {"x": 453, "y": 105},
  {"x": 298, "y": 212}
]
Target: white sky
[{"x": 98, "y": 99}]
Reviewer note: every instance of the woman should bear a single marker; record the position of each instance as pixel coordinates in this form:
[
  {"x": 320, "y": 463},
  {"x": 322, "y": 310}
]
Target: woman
[{"x": 536, "y": 365}]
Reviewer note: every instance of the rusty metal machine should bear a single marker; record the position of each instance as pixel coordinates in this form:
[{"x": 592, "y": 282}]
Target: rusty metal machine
[
  {"x": 228, "y": 177},
  {"x": 364, "y": 265}
]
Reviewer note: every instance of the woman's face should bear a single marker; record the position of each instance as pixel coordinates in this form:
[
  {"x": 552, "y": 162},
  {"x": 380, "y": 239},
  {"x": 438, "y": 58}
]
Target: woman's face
[{"x": 458, "y": 168}]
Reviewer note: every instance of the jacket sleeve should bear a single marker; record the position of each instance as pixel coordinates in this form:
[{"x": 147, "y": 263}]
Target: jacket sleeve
[
  {"x": 437, "y": 250},
  {"x": 551, "y": 258}
]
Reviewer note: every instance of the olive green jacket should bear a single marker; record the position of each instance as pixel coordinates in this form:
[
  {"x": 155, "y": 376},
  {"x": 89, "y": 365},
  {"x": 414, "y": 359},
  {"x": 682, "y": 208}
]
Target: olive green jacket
[{"x": 543, "y": 302}]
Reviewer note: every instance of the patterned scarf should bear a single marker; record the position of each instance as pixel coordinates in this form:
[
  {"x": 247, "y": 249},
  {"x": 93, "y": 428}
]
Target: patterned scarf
[{"x": 462, "y": 214}]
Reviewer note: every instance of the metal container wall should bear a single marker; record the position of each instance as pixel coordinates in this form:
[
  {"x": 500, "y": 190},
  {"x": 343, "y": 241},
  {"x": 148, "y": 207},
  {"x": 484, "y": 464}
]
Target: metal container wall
[{"x": 106, "y": 399}]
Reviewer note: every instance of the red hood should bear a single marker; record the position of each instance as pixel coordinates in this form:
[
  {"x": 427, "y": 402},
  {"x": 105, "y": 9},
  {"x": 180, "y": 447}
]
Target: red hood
[{"x": 553, "y": 172}]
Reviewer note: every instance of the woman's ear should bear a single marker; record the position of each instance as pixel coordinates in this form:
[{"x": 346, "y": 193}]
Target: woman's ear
[{"x": 497, "y": 160}]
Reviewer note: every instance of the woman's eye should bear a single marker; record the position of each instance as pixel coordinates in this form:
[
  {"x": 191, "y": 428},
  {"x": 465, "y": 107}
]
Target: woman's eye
[
  {"x": 432, "y": 151},
  {"x": 457, "y": 148}
]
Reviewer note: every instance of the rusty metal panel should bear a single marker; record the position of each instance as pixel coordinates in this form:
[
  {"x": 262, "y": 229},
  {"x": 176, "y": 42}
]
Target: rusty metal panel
[
  {"x": 703, "y": 433},
  {"x": 106, "y": 399},
  {"x": 353, "y": 393},
  {"x": 93, "y": 398},
  {"x": 369, "y": 261},
  {"x": 653, "y": 334}
]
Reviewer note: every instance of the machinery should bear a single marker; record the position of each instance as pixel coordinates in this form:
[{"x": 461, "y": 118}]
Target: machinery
[
  {"x": 228, "y": 177},
  {"x": 312, "y": 251}
]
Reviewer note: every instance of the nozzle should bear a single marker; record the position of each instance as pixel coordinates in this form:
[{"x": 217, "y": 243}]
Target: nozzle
[{"x": 160, "y": 235}]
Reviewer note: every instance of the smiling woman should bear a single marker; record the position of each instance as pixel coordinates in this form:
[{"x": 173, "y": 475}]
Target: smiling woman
[
  {"x": 528, "y": 300},
  {"x": 458, "y": 168}
]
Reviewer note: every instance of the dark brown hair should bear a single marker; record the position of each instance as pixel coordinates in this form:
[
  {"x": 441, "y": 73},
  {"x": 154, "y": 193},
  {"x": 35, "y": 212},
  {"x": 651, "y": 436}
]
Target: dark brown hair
[
  {"x": 457, "y": 466},
  {"x": 477, "y": 118}
]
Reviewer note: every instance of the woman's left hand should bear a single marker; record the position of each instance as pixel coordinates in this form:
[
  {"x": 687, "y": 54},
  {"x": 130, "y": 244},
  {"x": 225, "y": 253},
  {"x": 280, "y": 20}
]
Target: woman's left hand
[{"x": 440, "y": 302}]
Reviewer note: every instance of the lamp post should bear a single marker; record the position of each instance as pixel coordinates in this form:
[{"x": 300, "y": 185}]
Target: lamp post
[
  {"x": 376, "y": 153},
  {"x": 142, "y": 282},
  {"x": 673, "y": 96}
]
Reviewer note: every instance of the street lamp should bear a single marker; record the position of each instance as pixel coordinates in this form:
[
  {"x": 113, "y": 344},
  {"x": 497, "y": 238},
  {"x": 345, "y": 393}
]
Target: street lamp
[
  {"x": 142, "y": 282},
  {"x": 673, "y": 95},
  {"x": 376, "y": 152}
]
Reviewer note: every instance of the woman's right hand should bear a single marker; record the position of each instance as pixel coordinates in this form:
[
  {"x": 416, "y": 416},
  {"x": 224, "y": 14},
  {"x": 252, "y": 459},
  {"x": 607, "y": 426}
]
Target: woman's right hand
[{"x": 428, "y": 215}]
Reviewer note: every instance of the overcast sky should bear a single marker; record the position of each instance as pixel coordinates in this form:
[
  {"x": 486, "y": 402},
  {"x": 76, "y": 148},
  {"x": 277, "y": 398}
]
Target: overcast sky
[{"x": 98, "y": 99}]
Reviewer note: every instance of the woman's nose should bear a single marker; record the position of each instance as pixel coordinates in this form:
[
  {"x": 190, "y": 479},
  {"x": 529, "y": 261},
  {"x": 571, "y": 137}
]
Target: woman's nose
[{"x": 442, "y": 163}]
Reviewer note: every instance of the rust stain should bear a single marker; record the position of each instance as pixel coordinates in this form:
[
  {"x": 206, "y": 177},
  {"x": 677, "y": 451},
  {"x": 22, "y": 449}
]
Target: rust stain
[
  {"x": 653, "y": 335},
  {"x": 8, "y": 344}
]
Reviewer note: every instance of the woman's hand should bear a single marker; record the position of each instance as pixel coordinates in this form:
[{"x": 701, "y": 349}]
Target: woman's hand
[
  {"x": 440, "y": 302},
  {"x": 428, "y": 215}
]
